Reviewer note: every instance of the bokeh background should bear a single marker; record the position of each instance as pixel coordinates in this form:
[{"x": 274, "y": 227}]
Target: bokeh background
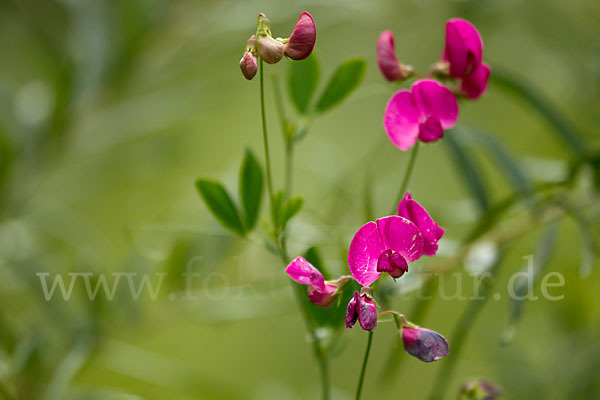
[{"x": 109, "y": 111}]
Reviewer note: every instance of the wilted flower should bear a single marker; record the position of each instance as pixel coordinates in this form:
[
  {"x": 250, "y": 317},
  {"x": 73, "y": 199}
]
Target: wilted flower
[
  {"x": 362, "y": 308},
  {"x": 463, "y": 53},
  {"x": 417, "y": 214},
  {"x": 384, "y": 246},
  {"x": 302, "y": 41},
  {"x": 320, "y": 292},
  {"x": 389, "y": 65},
  {"x": 478, "y": 389},
  {"x": 422, "y": 113},
  {"x": 425, "y": 344}
]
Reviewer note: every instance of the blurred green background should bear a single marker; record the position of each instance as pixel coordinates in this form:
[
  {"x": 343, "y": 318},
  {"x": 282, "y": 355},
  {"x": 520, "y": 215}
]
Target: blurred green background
[{"x": 109, "y": 110}]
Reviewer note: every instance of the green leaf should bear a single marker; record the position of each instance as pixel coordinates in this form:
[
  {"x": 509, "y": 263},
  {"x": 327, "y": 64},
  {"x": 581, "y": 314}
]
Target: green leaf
[
  {"x": 303, "y": 77},
  {"x": 565, "y": 131},
  {"x": 468, "y": 170},
  {"x": 251, "y": 189},
  {"x": 345, "y": 79},
  {"x": 292, "y": 207},
  {"x": 220, "y": 204}
]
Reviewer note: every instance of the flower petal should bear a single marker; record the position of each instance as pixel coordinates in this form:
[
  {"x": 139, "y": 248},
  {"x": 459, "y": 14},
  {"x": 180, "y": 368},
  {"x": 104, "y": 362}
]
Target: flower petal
[
  {"x": 351, "y": 314},
  {"x": 305, "y": 273},
  {"x": 324, "y": 297},
  {"x": 401, "y": 236},
  {"x": 475, "y": 83},
  {"x": 463, "y": 48},
  {"x": 401, "y": 120},
  {"x": 364, "y": 252},
  {"x": 386, "y": 57},
  {"x": 302, "y": 41},
  {"x": 433, "y": 99},
  {"x": 430, "y": 130},
  {"x": 367, "y": 313},
  {"x": 417, "y": 214}
]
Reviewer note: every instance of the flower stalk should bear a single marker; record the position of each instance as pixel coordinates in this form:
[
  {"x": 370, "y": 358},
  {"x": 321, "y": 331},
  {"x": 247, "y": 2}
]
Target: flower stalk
[{"x": 364, "y": 366}]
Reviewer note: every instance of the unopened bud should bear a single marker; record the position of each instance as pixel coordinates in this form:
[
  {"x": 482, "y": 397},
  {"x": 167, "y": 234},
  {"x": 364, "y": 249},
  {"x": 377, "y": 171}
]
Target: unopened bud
[
  {"x": 248, "y": 65},
  {"x": 425, "y": 344}
]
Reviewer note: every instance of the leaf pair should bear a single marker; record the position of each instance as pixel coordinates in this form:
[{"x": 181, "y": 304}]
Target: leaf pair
[
  {"x": 221, "y": 205},
  {"x": 303, "y": 80}
]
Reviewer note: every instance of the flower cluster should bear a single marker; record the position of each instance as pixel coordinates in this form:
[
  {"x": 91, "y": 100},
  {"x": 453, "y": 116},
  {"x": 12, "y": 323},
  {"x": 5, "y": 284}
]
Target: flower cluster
[
  {"x": 429, "y": 108},
  {"x": 262, "y": 44}
]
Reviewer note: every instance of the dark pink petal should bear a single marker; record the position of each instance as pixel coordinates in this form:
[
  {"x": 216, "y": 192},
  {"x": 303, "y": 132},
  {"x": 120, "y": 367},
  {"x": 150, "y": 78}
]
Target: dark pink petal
[
  {"x": 415, "y": 212},
  {"x": 433, "y": 99},
  {"x": 392, "y": 263},
  {"x": 430, "y": 130},
  {"x": 425, "y": 344},
  {"x": 386, "y": 58},
  {"x": 401, "y": 236},
  {"x": 401, "y": 120},
  {"x": 351, "y": 313},
  {"x": 367, "y": 312},
  {"x": 323, "y": 297},
  {"x": 364, "y": 252},
  {"x": 475, "y": 83},
  {"x": 463, "y": 48},
  {"x": 248, "y": 65},
  {"x": 302, "y": 41},
  {"x": 305, "y": 273}
]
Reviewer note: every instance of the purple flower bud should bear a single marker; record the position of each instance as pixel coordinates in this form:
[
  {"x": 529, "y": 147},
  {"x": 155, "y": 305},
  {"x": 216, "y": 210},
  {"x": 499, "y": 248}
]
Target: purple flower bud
[
  {"x": 391, "y": 69},
  {"x": 248, "y": 65},
  {"x": 302, "y": 41},
  {"x": 362, "y": 308},
  {"x": 478, "y": 389},
  {"x": 424, "y": 344},
  {"x": 475, "y": 83}
]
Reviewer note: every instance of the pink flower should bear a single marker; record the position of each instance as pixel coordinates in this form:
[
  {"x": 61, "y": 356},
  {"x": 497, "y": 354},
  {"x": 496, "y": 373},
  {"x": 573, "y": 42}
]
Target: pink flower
[
  {"x": 302, "y": 41},
  {"x": 384, "y": 246},
  {"x": 425, "y": 344},
  {"x": 417, "y": 214},
  {"x": 320, "y": 292},
  {"x": 362, "y": 308},
  {"x": 463, "y": 52},
  {"x": 422, "y": 113},
  {"x": 391, "y": 69}
]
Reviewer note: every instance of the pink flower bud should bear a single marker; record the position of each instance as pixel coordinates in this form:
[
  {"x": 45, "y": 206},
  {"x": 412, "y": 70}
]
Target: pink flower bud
[
  {"x": 424, "y": 344},
  {"x": 463, "y": 48},
  {"x": 362, "y": 308},
  {"x": 302, "y": 41},
  {"x": 475, "y": 83},
  {"x": 391, "y": 69},
  {"x": 248, "y": 65}
]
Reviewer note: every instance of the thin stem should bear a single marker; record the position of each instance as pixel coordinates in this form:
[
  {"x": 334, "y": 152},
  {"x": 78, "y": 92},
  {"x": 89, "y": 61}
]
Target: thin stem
[
  {"x": 287, "y": 136},
  {"x": 407, "y": 174},
  {"x": 264, "y": 131},
  {"x": 364, "y": 366},
  {"x": 289, "y": 156}
]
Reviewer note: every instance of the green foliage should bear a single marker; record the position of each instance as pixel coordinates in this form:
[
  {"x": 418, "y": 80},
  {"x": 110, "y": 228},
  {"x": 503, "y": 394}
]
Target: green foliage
[
  {"x": 283, "y": 210},
  {"x": 303, "y": 78},
  {"x": 345, "y": 79},
  {"x": 251, "y": 189},
  {"x": 220, "y": 204}
]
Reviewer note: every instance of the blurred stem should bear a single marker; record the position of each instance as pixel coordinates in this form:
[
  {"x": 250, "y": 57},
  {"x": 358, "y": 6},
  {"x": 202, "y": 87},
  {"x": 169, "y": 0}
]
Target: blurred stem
[
  {"x": 287, "y": 136},
  {"x": 407, "y": 174},
  {"x": 364, "y": 365},
  {"x": 264, "y": 131}
]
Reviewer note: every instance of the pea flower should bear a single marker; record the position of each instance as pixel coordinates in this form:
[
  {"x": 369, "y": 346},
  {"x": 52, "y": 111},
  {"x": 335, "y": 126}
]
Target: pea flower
[
  {"x": 269, "y": 49},
  {"x": 389, "y": 65},
  {"x": 463, "y": 52},
  {"x": 320, "y": 292},
  {"x": 421, "y": 113},
  {"x": 386, "y": 245},
  {"x": 302, "y": 41},
  {"x": 417, "y": 214},
  {"x": 425, "y": 344},
  {"x": 362, "y": 308}
]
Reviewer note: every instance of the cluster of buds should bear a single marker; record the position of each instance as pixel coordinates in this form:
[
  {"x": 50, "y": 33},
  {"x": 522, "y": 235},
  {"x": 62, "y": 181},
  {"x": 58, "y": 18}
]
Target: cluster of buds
[{"x": 298, "y": 46}]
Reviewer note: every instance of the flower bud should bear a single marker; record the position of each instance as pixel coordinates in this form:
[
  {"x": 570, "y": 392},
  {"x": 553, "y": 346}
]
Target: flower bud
[
  {"x": 425, "y": 344},
  {"x": 269, "y": 49},
  {"x": 301, "y": 42},
  {"x": 478, "y": 389},
  {"x": 389, "y": 65},
  {"x": 248, "y": 65},
  {"x": 362, "y": 308}
]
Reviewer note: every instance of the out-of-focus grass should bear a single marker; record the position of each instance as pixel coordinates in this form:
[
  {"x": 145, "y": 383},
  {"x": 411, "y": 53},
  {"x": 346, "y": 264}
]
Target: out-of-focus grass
[{"x": 110, "y": 110}]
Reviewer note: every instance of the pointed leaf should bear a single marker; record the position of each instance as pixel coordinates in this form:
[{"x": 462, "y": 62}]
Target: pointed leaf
[
  {"x": 345, "y": 79},
  {"x": 220, "y": 204},
  {"x": 251, "y": 189},
  {"x": 292, "y": 207},
  {"x": 303, "y": 77}
]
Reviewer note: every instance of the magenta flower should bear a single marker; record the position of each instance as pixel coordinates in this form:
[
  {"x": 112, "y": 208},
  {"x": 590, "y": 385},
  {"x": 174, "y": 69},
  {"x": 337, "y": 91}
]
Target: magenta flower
[
  {"x": 302, "y": 41},
  {"x": 422, "y": 113},
  {"x": 384, "y": 246},
  {"x": 389, "y": 65},
  {"x": 463, "y": 52},
  {"x": 320, "y": 292},
  {"x": 417, "y": 214},
  {"x": 362, "y": 308},
  {"x": 425, "y": 344}
]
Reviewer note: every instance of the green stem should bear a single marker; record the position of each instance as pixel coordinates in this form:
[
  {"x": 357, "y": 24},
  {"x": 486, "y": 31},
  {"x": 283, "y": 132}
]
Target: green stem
[
  {"x": 289, "y": 156},
  {"x": 264, "y": 131},
  {"x": 407, "y": 174},
  {"x": 364, "y": 366}
]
